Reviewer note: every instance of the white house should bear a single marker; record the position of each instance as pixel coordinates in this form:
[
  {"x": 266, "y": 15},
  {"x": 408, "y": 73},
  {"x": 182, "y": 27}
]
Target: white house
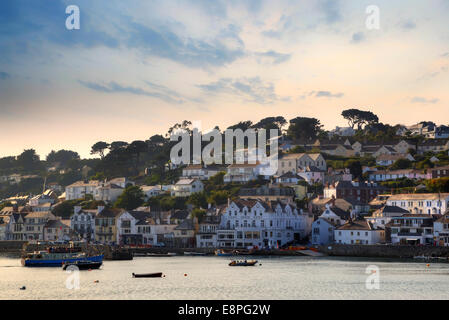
[
  {"x": 80, "y": 189},
  {"x": 323, "y": 228},
  {"x": 83, "y": 222},
  {"x": 421, "y": 203},
  {"x": 201, "y": 172},
  {"x": 187, "y": 187},
  {"x": 206, "y": 237},
  {"x": 241, "y": 173},
  {"x": 359, "y": 232},
  {"x": 152, "y": 191},
  {"x": 296, "y": 161},
  {"x": 383, "y": 216},
  {"x": 255, "y": 223},
  {"x": 108, "y": 192}
]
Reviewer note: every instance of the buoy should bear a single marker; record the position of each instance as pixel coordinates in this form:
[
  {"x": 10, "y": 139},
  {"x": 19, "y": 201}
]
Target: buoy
[
  {"x": 23, "y": 288},
  {"x": 428, "y": 265},
  {"x": 185, "y": 274},
  {"x": 96, "y": 281}
]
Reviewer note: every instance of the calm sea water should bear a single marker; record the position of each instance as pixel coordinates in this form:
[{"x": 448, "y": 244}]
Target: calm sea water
[{"x": 212, "y": 278}]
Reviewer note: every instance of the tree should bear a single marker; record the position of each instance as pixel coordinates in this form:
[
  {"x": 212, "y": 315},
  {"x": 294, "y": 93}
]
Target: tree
[
  {"x": 271, "y": 123},
  {"x": 401, "y": 164},
  {"x": 304, "y": 128},
  {"x": 198, "y": 199},
  {"x": 355, "y": 167},
  {"x": 28, "y": 160},
  {"x": 243, "y": 125},
  {"x": 131, "y": 198},
  {"x": 62, "y": 156},
  {"x": 359, "y": 118},
  {"x": 438, "y": 185},
  {"x": 217, "y": 179},
  {"x": 117, "y": 145},
  {"x": 99, "y": 148},
  {"x": 218, "y": 197}
]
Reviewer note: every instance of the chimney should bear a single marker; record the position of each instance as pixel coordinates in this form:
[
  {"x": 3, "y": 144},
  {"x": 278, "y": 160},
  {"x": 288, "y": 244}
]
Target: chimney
[
  {"x": 76, "y": 209},
  {"x": 229, "y": 202}
]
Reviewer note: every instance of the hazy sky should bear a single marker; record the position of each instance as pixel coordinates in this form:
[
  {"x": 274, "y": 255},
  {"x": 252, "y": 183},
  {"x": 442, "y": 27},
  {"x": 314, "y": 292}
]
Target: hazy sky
[{"x": 137, "y": 67}]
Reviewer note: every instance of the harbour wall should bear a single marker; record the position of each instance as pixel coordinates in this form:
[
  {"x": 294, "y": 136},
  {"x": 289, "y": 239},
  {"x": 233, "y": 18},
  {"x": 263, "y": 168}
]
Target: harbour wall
[
  {"x": 384, "y": 251},
  {"x": 11, "y": 246}
]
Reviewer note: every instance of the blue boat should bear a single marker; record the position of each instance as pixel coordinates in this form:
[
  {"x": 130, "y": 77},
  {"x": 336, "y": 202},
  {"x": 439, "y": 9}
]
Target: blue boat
[{"x": 57, "y": 259}]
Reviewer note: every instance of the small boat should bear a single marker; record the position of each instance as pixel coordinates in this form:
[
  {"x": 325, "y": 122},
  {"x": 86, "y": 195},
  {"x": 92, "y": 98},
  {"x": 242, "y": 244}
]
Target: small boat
[
  {"x": 222, "y": 253},
  {"x": 147, "y": 275},
  {"x": 195, "y": 253},
  {"x": 243, "y": 263},
  {"x": 83, "y": 265}
]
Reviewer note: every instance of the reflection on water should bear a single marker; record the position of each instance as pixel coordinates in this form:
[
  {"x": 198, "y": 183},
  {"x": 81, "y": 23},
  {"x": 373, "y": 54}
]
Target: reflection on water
[{"x": 212, "y": 278}]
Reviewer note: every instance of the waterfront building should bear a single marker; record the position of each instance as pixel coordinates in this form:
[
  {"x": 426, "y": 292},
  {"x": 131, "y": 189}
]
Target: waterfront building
[
  {"x": 323, "y": 228},
  {"x": 56, "y": 230},
  {"x": 441, "y": 230},
  {"x": 106, "y": 225},
  {"x": 83, "y": 222},
  {"x": 421, "y": 203},
  {"x": 412, "y": 229},
  {"x": 381, "y": 217},
  {"x": 359, "y": 232},
  {"x": 34, "y": 224},
  {"x": 133, "y": 228},
  {"x": 255, "y": 223},
  {"x": 184, "y": 234}
]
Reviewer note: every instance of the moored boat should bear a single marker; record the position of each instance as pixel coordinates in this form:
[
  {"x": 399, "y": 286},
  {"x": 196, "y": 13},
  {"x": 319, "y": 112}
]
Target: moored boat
[
  {"x": 83, "y": 265},
  {"x": 56, "y": 259},
  {"x": 243, "y": 263},
  {"x": 195, "y": 253},
  {"x": 147, "y": 275},
  {"x": 222, "y": 253}
]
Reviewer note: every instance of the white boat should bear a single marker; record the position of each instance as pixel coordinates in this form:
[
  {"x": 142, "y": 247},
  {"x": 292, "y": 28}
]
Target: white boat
[{"x": 194, "y": 253}]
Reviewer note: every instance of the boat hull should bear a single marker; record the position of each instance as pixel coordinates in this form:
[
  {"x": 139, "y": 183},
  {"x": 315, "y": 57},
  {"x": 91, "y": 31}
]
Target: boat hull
[
  {"x": 148, "y": 275},
  {"x": 58, "y": 262}
]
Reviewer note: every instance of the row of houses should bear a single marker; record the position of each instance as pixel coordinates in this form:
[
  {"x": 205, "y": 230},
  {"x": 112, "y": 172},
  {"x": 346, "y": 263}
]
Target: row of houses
[
  {"x": 347, "y": 147},
  {"x": 401, "y": 219}
]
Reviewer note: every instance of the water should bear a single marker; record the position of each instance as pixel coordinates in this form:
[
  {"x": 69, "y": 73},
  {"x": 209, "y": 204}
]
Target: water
[{"x": 211, "y": 278}]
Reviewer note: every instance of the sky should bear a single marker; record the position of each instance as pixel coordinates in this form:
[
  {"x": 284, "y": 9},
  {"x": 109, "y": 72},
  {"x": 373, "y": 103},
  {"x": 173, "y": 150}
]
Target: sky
[{"x": 135, "y": 68}]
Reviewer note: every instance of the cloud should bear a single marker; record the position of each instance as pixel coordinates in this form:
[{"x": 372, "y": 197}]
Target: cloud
[
  {"x": 250, "y": 89},
  {"x": 331, "y": 9},
  {"x": 272, "y": 57},
  {"x": 113, "y": 87},
  {"x": 4, "y": 75},
  {"x": 224, "y": 49},
  {"x": 424, "y": 100},
  {"x": 358, "y": 37},
  {"x": 408, "y": 25},
  {"x": 327, "y": 94}
]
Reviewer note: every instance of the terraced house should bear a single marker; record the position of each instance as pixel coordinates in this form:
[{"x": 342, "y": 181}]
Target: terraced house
[
  {"x": 106, "y": 225},
  {"x": 421, "y": 203},
  {"x": 256, "y": 223}
]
